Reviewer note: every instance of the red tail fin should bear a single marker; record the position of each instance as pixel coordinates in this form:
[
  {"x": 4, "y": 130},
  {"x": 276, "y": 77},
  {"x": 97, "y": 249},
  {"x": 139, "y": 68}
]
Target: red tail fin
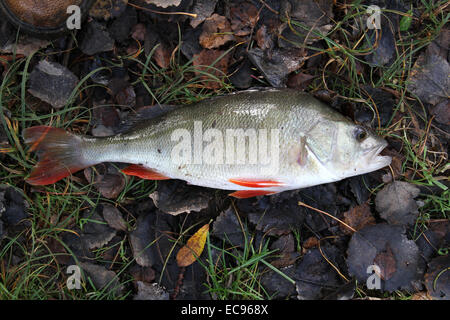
[{"x": 59, "y": 154}]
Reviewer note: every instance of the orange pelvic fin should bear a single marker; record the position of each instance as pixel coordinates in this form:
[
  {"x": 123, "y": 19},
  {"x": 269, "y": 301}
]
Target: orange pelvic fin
[
  {"x": 143, "y": 172},
  {"x": 242, "y": 194},
  {"x": 58, "y": 151},
  {"x": 256, "y": 183}
]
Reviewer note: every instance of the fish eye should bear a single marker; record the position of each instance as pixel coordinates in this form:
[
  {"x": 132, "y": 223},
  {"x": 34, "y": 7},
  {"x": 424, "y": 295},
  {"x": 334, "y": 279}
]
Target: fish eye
[{"x": 360, "y": 134}]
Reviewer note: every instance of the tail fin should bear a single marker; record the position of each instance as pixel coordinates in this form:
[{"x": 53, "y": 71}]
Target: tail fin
[{"x": 59, "y": 154}]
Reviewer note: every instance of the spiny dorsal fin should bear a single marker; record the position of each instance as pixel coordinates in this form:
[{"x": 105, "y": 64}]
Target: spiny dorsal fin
[{"x": 143, "y": 114}]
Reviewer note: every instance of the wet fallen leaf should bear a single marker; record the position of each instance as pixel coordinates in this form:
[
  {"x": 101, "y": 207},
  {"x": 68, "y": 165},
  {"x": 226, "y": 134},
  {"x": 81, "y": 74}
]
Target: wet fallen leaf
[
  {"x": 315, "y": 278},
  {"x": 277, "y": 286},
  {"x": 428, "y": 242},
  {"x": 429, "y": 78},
  {"x": 311, "y": 242},
  {"x": 387, "y": 245},
  {"x": 96, "y": 39},
  {"x": 193, "y": 248},
  {"x": 96, "y": 233},
  {"x": 396, "y": 204},
  {"x": 52, "y": 83},
  {"x": 263, "y": 38},
  {"x": 113, "y": 217},
  {"x": 241, "y": 75},
  {"x": 145, "y": 274},
  {"x": 121, "y": 27},
  {"x": 286, "y": 254},
  {"x": 300, "y": 81},
  {"x": 138, "y": 32},
  {"x": 203, "y": 9},
  {"x": 175, "y": 197},
  {"x": 278, "y": 218},
  {"x": 441, "y": 112},
  {"x": 437, "y": 278},
  {"x": 102, "y": 278},
  {"x": 244, "y": 17},
  {"x": 315, "y": 14},
  {"x": 142, "y": 241},
  {"x": 216, "y": 32},
  {"x": 208, "y": 62},
  {"x": 162, "y": 55},
  {"x": 227, "y": 228},
  {"x": 386, "y": 261},
  {"x": 13, "y": 206},
  {"x": 358, "y": 217},
  {"x": 278, "y": 64},
  {"x": 107, "y": 179}
]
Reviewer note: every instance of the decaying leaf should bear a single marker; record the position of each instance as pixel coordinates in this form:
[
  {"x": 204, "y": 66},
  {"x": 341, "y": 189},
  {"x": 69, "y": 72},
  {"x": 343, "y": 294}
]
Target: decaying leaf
[
  {"x": 52, "y": 83},
  {"x": 107, "y": 179},
  {"x": 243, "y": 18},
  {"x": 193, "y": 248},
  {"x": 175, "y": 197},
  {"x": 387, "y": 247},
  {"x": 429, "y": 78},
  {"x": 102, "y": 278},
  {"x": 358, "y": 217},
  {"x": 227, "y": 228},
  {"x": 278, "y": 64},
  {"x": 437, "y": 279},
  {"x": 203, "y": 9},
  {"x": 209, "y": 62},
  {"x": 396, "y": 204},
  {"x": 386, "y": 261},
  {"x": 216, "y": 32}
]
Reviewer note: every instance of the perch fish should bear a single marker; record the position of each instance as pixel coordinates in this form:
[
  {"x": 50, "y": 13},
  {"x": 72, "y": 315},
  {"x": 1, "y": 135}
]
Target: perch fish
[{"x": 251, "y": 142}]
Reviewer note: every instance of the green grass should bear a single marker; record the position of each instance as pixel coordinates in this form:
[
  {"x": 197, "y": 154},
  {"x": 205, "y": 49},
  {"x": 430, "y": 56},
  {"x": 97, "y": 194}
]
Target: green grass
[{"x": 236, "y": 274}]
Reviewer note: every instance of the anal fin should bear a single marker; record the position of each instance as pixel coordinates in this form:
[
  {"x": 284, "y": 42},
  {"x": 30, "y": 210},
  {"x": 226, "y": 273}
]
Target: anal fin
[{"x": 143, "y": 172}]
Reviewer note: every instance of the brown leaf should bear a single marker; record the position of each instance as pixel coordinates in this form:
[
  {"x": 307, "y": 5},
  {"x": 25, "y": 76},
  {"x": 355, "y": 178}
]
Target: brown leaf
[
  {"x": 107, "y": 179},
  {"x": 386, "y": 261},
  {"x": 243, "y": 18},
  {"x": 207, "y": 58},
  {"x": 358, "y": 217},
  {"x": 162, "y": 56},
  {"x": 311, "y": 242},
  {"x": 216, "y": 32},
  {"x": 299, "y": 81},
  {"x": 263, "y": 38},
  {"x": 138, "y": 32},
  {"x": 193, "y": 248}
]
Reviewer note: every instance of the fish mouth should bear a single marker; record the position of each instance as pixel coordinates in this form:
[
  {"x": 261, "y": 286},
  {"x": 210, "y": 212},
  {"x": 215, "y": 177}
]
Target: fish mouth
[{"x": 374, "y": 158}]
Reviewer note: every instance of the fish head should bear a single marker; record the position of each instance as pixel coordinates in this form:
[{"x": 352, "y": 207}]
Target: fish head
[{"x": 357, "y": 151}]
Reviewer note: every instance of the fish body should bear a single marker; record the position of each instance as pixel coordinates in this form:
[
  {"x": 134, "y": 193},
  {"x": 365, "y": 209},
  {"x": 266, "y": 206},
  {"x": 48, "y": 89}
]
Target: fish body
[{"x": 254, "y": 142}]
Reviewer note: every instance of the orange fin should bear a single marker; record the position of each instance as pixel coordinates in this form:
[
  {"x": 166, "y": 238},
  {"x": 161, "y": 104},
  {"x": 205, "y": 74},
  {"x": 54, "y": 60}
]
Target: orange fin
[
  {"x": 242, "y": 194},
  {"x": 256, "y": 183},
  {"x": 58, "y": 152},
  {"x": 143, "y": 172}
]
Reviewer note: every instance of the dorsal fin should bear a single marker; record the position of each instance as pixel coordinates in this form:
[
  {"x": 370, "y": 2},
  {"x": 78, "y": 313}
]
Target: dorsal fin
[{"x": 143, "y": 114}]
